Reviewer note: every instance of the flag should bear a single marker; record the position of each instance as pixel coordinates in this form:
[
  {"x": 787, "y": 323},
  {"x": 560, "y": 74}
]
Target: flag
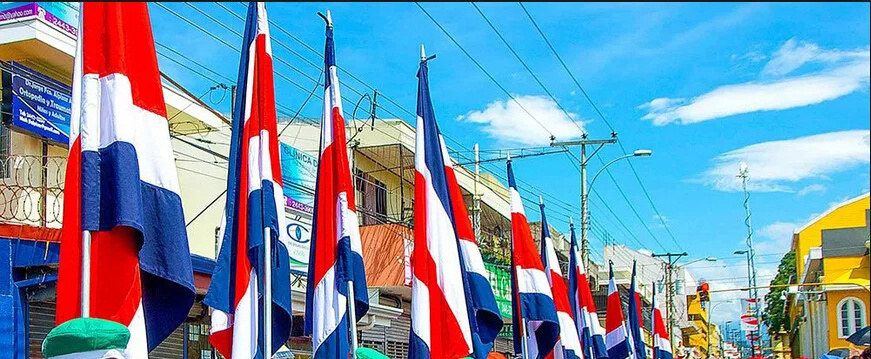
[
  {"x": 661, "y": 343},
  {"x": 453, "y": 310},
  {"x": 486, "y": 319},
  {"x": 591, "y": 333},
  {"x": 255, "y": 201},
  {"x": 122, "y": 185},
  {"x": 336, "y": 255},
  {"x": 530, "y": 288},
  {"x": 635, "y": 323},
  {"x": 568, "y": 346},
  {"x": 616, "y": 337}
]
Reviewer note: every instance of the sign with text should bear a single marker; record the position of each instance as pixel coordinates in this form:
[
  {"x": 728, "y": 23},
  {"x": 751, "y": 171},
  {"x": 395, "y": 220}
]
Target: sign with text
[
  {"x": 299, "y": 171},
  {"x": 37, "y": 104},
  {"x": 62, "y": 14}
]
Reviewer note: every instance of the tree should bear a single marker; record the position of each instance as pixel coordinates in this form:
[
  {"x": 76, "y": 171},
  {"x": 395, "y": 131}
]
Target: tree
[{"x": 775, "y": 316}]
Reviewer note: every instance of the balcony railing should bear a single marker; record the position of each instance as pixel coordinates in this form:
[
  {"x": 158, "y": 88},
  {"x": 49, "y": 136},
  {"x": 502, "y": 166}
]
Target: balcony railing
[{"x": 31, "y": 190}]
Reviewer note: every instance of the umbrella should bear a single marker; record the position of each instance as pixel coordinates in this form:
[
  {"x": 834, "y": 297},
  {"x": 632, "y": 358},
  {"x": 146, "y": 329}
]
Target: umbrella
[
  {"x": 87, "y": 338},
  {"x": 366, "y": 353},
  {"x": 860, "y": 337}
]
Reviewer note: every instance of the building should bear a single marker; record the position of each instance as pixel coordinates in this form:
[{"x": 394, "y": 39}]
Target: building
[{"x": 831, "y": 300}]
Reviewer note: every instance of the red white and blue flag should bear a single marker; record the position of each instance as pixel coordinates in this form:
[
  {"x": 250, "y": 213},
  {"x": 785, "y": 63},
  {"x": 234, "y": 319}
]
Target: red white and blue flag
[
  {"x": 336, "y": 256},
  {"x": 616, "y": 337},
  {"x": 591, "y": 333},
  {"x": 530, "y": 288},
  {"x": 122, "y": 185},
  {"x": 569, "y": 345},
  {"x": 453, "y": 312},
  {"x": 255, "y": 202},
  {"x": 635, "y": 322},
  {"x": 661, "y": 343}
]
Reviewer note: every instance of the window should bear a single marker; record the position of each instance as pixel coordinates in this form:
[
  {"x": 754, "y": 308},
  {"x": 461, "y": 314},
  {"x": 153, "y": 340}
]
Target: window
[{"x": 851, "y": 316}]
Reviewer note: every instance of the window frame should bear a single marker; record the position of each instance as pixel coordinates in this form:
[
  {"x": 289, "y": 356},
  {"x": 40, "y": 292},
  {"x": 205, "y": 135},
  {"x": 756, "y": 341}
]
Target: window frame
[{"x": 851, "y": 316}]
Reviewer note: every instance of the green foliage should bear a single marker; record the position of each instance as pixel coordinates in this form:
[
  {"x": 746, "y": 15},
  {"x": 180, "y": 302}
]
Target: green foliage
[{"x": 775, "y": 316}]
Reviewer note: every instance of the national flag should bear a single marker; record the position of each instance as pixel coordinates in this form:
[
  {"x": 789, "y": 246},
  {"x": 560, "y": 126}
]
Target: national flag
[
  {"x": 636, "y": 324},
  {"x": 661, "y": 343},
  {"x": 255, "y": 202},
  {"x": 616, "y": 337},
  {"x": 532, "y": 300},
  {"x": 591, "y": 333},
  {"x": 453, "y": 311},
  {"x": 486, "y": 319},
  {"x": 121, "y": 184},
  {"x": 336, "y": 256},
  {"x": 568, "y": 346}
]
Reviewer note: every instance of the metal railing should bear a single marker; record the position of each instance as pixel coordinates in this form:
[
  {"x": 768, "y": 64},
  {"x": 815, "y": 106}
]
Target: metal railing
[{"x": 31, "y": 190}]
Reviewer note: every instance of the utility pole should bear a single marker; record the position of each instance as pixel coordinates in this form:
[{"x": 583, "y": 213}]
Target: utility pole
[
  {"x": 476, "y": 198},
  {"x": 585, "y": 218},
  {"x": 744, "y": 174},
  {"x": 672, "y": 258}
]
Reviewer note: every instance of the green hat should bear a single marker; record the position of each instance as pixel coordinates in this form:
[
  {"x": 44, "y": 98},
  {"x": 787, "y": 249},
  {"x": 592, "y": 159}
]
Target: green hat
[
  {"x": 92, "y": 338},
  {"x": 366, "y": 353}
]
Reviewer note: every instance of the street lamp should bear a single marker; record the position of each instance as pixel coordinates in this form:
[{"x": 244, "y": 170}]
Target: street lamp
[{"x": 585, "y": 187}]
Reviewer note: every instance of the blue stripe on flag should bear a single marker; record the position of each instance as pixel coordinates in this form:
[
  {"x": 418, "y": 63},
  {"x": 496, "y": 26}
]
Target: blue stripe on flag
[{"x": 113, "y": 195}]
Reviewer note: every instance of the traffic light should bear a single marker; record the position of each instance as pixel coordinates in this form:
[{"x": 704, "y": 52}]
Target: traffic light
[{"x": 702, "y": 289}]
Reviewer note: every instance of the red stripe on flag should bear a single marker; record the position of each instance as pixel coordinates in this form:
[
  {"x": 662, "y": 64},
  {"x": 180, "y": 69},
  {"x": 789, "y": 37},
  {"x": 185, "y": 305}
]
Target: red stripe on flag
[
  {"x": 446, "y": 337},
  {"x": 117, "y": 38}
]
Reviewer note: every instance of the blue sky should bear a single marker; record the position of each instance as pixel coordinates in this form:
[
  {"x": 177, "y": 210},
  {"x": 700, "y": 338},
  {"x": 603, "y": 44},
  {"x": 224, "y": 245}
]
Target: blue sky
[{"x": 783, "y": 87}]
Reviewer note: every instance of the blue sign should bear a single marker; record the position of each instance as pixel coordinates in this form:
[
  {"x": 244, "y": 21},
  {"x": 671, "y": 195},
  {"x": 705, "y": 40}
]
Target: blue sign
[
  {"x": 40, "y": 105},
  {"x": 299, "y": 171}
]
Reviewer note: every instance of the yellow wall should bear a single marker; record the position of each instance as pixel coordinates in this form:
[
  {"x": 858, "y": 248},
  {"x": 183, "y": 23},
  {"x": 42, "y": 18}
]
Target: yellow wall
[
  {"x": 849, "y": 215},
  {"x": 833, "y": 298}
]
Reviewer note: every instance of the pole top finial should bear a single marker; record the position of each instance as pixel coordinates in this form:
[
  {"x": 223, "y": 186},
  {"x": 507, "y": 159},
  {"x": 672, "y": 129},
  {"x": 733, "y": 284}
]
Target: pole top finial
[
  {"x": 422, "y": 53},
  {"x": 540, "y": 200}
]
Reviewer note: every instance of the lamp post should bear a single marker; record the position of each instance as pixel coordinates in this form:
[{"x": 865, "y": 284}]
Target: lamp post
[
  {"x": 583, "y": 143},
  {"x": 670, "y": 264}
]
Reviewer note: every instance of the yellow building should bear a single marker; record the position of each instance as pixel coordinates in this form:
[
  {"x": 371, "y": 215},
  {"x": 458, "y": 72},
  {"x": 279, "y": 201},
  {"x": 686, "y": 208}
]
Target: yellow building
[
  {"x": 696, "y": 335},
  {"x": 831, "y": 300}
]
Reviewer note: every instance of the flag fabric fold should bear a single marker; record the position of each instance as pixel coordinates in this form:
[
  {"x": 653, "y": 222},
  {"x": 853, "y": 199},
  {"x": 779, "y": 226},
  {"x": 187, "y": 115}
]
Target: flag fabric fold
[
  {"x": 616, "y": 336},
  {"x": 591, "y": 333},
  {"x": 122, "y": 185},
  {"x": 532, "y": 300},
  {"x": 569, "y": 345},
  {"x": 661, "y": 343},
  {"x": 336, "y": 255},
  {"x": 486, "y": 320},
  {"x": 636, "y": 324},
  {"x": 255, "y": 202}
]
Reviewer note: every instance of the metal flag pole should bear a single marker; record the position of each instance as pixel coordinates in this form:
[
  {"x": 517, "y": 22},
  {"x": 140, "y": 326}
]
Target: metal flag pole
[
  {"x": 524, "y": 338},
  {"x": 267, "y": 292},
  {"x": 86, "y": 274},
  {"x": 352, "y": 319}
]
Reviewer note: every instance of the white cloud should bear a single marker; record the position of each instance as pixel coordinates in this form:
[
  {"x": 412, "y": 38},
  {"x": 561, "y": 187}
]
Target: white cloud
[
  {"x": 793, "y": 54},
  {"x": 775, "y": 165},
  {"x": 816, "y": 187},
  {"x": 752, "y": 56},
  {"x": 845, "y": 72},
  {"x": 510, "y": 123},
  {"x": 774, "y": 238}
]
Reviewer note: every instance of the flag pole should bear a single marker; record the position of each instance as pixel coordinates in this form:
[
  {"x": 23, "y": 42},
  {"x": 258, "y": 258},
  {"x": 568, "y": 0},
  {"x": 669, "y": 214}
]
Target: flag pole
[
  {"x": 524, "y": 338},
  {"x": 267, "y": 292},
  {"x": 352, "y": 319},
  {"x": 86, "y": 274}
]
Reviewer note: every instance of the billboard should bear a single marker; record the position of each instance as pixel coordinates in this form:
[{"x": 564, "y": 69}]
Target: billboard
[
  {"x": 62, "y": 14},
  {"x": 36, "y": 104},
  {"x": 299, "y": 171}
]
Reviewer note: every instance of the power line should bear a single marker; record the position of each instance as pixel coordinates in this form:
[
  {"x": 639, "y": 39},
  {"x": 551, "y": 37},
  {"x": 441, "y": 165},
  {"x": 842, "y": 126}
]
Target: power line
[
  {"x": 478, "y": 64},
  {"x": 602, "y": 116}
]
